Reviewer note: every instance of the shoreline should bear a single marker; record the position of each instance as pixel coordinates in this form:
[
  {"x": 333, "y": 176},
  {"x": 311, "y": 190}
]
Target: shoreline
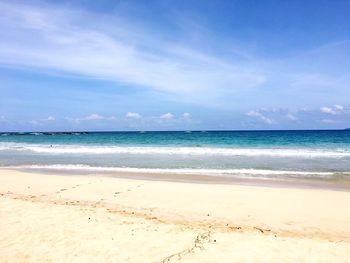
[
  {"x": 75, "y": 218},
  {"x": 298, "y": 183}
]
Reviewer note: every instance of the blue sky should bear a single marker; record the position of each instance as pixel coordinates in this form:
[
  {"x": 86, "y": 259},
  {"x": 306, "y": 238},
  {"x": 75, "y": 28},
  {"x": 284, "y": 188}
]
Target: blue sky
[{"x": 174, "y": 65}]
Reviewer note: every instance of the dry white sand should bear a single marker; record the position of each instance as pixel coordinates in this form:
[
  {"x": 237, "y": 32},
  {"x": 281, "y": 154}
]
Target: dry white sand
[{"x": 48, "y": 218}]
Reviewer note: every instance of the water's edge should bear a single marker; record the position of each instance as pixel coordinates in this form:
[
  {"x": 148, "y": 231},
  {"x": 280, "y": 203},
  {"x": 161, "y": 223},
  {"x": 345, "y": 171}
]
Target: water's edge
[{"x": 339, "y": 184}]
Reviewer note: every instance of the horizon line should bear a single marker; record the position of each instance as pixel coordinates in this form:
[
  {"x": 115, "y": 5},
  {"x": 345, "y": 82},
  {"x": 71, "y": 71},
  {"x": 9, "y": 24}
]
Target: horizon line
[{"x": 138, "y": 131}]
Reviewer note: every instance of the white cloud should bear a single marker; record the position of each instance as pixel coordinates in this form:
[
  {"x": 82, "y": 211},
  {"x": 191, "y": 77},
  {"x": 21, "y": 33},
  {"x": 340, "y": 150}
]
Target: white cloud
[
  {"x": 336, "y": 109},
  {"x": 94, "y": 116},
  {"x": 167, "y": 116},
  {"x": 339, "y": 107},
  {"x": 253, "y": 113},
  {"x": 186, "y": 115},
  {"x": 60, "y": 39},
  {"x": 67, "y": 41},
  {"x": 133, "y": 115},
  {"x": 50, "y": 118},
  {"x": 260, "y": 116},
  {"x": 328, "y": 110},
  {"x": 91, "y": 117}
]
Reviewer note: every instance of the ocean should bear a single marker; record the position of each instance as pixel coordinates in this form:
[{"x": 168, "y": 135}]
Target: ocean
[{"x": 321, "y": 154}]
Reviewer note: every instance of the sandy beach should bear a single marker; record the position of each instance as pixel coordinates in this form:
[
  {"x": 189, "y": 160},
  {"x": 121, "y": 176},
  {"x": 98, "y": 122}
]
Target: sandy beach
[
  {"x": 55, "y": 218},
  {"x": 174, "y": 131}
]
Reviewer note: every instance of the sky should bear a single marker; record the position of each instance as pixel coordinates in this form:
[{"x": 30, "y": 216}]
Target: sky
[{"x": 174, "y": 65}]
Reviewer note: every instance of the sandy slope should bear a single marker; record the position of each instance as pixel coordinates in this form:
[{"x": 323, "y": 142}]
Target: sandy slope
[{"x": 47, "y": 218}]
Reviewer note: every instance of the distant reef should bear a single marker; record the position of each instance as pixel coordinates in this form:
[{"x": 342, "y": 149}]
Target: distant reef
[{"x": 40, "y": 133}]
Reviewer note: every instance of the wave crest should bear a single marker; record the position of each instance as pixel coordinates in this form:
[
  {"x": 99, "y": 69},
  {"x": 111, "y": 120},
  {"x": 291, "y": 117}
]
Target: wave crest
[
  {"x": 166, "y": 150},
  {"x": 261, "y": 173}
]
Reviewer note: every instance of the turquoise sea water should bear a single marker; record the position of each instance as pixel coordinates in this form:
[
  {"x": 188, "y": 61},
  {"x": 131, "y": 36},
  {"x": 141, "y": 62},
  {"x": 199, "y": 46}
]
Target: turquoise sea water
[{"x": 261, "y": 154}]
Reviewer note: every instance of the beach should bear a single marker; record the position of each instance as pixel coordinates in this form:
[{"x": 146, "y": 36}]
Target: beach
[
  {"x": 78, "y": 218},
  {"x": 174, "y": 131}
]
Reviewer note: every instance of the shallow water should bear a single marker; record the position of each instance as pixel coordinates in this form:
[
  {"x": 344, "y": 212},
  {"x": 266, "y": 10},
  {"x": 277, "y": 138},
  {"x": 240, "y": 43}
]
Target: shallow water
[{"x": 259, "y": 154}]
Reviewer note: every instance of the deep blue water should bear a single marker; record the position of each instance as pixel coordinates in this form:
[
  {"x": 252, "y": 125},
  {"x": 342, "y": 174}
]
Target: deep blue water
[{"x": 308, "y": 138}]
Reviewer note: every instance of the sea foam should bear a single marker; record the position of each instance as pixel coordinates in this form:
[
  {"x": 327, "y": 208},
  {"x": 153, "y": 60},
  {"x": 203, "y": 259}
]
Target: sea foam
[
  {"x": 175, "y": 150},
  {"x": 246, "y": 173}
]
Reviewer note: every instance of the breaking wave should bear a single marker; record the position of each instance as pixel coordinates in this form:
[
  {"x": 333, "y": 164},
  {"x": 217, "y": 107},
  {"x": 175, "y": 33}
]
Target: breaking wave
[{"x": 175, "y": 150}]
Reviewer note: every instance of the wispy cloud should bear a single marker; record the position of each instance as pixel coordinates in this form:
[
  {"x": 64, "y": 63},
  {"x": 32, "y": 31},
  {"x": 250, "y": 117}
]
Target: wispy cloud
[
  {"x": 186, "y": 115},
  {"x": 336, "y": 115},
  {"x": 339, "y": 107},
  {"x": 258, "y": 115},
  {"x": 167, "y": 116},
  {"x": 335, "y": 109},
  {"x": 328, "y": 110},
  {"x": 133, "y": 119},
  {"x": 291, "y": 116},
  {"x": 133, "y": 115},
  {"x": 91, "y": 117},
  {"x": 78, "y": 42},
  {"x": 58, "y": 39}
]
